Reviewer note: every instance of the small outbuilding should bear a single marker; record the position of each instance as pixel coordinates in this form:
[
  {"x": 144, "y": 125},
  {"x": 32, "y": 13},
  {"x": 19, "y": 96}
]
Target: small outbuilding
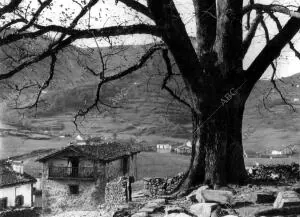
[{"x": 16, "y": 187}]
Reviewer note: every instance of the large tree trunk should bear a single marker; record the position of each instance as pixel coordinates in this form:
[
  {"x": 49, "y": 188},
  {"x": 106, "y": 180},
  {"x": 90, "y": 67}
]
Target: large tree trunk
[
  {"x": 217, "y": 156},
  {"x": 210, "y": 74}
]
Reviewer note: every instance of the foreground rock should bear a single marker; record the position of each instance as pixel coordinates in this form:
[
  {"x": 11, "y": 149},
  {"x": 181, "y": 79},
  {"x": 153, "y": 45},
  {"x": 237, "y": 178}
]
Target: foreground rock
[
  {"x": 215, "y": 196},
  {"x": 178, "y": 215},
  {"x": 192, "y": 196},
  {"x": 286, "y": 211},
  {"x": 296, "y": 187},
  {"x": 287, "y": 199},
  {"x": 140, "y": 214},
  {"x": 173, "y": 209},
  {"x": 83, "y": 214},
  {"x": 205, "y": 209},
  {"x": 263, "y": 197}
]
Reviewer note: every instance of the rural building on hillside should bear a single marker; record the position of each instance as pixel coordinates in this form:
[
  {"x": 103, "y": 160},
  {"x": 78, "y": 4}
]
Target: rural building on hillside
[
  {"x": 286, "y": 151},
  {"x": 75, "y": 177},
  {"x": 164, "y": 148},
  {"x": 188, "y": 143},
  {"x": 16, "y": 187},
  {"x": 183, "y": 149}
]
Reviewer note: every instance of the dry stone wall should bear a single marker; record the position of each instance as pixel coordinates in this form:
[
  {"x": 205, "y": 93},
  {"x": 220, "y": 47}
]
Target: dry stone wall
[
  {"x": 22, "y": 212},
  {"x": 115, "y": 191},
  {"x": 162, "y": 186}
]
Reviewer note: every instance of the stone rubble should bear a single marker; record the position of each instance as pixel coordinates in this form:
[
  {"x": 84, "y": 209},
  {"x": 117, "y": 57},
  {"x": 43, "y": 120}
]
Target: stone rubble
[
  {"x": 204, "y": 201},
  {"x": 205, "y": 209},
  {"x": 115, "y": 191},
  {"x": 162, "y": 186},
  {"x": 273, "y": 173},
  {"x": 201, "y": 206},
  {"x": 217, "y": 196},
  {"x": 263, "y": 197},
  {"x": 287, "y": 199}
]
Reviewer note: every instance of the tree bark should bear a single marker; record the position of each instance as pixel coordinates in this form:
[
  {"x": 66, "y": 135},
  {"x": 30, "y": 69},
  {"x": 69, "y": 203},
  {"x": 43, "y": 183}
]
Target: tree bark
[
  {"x": 217, "y": 155},
  {"x": 210, "y": 74}
]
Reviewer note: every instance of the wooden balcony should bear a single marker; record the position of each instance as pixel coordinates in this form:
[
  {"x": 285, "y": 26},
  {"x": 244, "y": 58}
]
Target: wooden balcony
[{"x": 71, "y": 173}]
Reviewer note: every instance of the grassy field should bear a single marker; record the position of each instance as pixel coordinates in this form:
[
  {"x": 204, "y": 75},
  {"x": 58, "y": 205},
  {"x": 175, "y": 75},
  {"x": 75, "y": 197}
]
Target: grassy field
[{"x": 152, "y": 164}]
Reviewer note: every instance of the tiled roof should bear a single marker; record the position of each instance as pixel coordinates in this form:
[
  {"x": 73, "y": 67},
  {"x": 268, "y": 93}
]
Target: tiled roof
[
  {"x": 9, "y": 177},
  {"x": 98, "y": 151}
]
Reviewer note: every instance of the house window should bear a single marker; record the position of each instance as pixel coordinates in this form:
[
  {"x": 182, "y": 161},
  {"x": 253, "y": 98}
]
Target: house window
[
  {"x": 19, "y": 200},
  {"x": 74, "y": 189},
  {"x": 3, "y": 203}
]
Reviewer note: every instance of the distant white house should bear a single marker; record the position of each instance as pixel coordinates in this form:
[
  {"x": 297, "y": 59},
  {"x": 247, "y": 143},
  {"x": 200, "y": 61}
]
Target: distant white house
[
  {"x": 79, "y": 140},
  {"x": 16, "y": 187},
  {"x": 297, "y": 85},
  {"x": 296, "y": 100},
  {"x": 188, "y": 143},
  {"x": 183, "y": 149},
  {"x": 275, "y": 152},
  {"x": 164, "y": 148}
]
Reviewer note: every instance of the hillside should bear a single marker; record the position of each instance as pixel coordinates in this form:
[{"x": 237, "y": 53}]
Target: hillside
[{"x": 146, "y": 112}]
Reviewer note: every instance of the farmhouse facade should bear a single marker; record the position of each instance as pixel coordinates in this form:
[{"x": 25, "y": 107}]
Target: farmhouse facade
[
  {"x": 16, "y": 187},
  {"x": 75, "y": 177}
]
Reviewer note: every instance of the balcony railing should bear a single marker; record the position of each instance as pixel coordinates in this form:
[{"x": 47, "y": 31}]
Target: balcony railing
[{"x": 71, "y": 172}]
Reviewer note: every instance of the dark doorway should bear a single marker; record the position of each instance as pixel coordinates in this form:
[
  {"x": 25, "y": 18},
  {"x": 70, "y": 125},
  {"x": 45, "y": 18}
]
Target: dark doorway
[
  {"x": 74, "y": 166},
  {"x": 125, "y": 165}
]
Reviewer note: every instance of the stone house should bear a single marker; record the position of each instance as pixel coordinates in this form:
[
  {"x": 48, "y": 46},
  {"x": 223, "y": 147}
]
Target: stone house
[
  {"x": 16, "y": 187},
  {"x": 75, "y": 177}
]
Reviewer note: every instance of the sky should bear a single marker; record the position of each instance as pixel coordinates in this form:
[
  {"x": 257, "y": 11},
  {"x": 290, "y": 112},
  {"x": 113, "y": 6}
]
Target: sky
[{"x": 108, "y": 13}]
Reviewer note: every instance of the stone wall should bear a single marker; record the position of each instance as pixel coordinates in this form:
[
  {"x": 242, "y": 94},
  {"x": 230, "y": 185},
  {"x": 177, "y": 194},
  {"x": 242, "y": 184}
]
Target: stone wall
[
  {"x": 22, "y": 212},
  {"x": 115, "y": 168},
  {"x": 115, "y": 191},
  {"x": 161, "y": 186},
  {"x": 57, "y": 196}
]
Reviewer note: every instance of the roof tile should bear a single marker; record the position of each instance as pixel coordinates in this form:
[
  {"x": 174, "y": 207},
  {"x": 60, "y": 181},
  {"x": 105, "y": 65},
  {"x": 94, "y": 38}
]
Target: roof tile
[{"x": 9, "y": 177}]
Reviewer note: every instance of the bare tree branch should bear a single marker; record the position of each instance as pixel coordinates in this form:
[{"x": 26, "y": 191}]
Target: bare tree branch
[
  {"x": 271, "y": 8},
  {"x": 88, "y": 33},
  {"x": 38, "y": 58},
  {"x": 97, "y": 100},
  {"x": 45, "y": 84},
  {"x": 273, "y": 81},
  {"x": 251, "y": 33},
  {"x": 271, "y": 51},
  {"x": 168, "y": 76},
  {"x": 279, "y": 91},
  {"x": 10, "y": 7},
  {"x": 279, "y": 27},
  {"x": 74, "y": 22},
  {"x": 35, "y": 16},
  {"x": 251, "y": 2},
  {"x": 135, "y": 5},
  {"x": 12, "y": 22}
]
